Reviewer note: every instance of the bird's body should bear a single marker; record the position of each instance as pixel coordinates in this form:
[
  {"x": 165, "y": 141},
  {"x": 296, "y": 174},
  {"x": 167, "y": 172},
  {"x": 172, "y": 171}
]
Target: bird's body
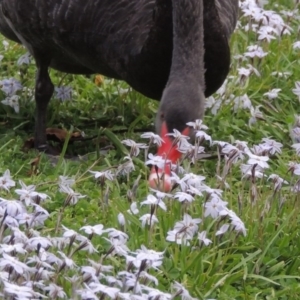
[
  {"x": 176, "y": 51},
  {"x": 124, "y": 39}
]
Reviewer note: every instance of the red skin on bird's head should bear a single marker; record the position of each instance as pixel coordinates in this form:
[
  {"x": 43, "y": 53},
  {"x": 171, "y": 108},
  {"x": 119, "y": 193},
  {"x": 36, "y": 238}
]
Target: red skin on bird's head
[{"x": 160, "y": 179}]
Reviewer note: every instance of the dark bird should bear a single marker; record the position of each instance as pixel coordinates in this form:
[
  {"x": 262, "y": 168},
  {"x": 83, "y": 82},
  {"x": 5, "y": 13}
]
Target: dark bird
[{"x": 175, "y": 51}]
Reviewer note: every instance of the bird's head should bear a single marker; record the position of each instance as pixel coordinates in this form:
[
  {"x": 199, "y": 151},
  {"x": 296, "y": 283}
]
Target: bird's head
[{"x": 181, "y": 102}]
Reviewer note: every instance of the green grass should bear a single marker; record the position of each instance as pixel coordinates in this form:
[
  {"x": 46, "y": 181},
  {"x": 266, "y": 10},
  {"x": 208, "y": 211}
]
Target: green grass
[{"x": 264, "y": 264}]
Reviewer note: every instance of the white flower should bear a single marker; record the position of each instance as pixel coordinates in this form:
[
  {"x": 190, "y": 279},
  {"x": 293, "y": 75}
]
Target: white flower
[
  {"x": 11, "y": 222},
  {"x": 87, "y": 293},
  {"x": 161, "y": 195},
  {"x": 63, "y": 93},
  {"x": 295, "y": 134},
  {"x": 148, "y": 277},
  {"x": 148, "y": 219},
  {"x": 116, "y": 234},
  {"x": 28, "y": 193},
  {"x": 296, "y": 187},
  {"x": 21, "y": 292},
  {"x": 55, "y": 291},
  {"x": 13, "y": 207},
  {"x": 152, "y": 200},
  {"x": 296, "y": 90},
  {"x": 255, "y": 51},
  {"x": 252, "y": 170},
  {"x": 242, "y": 102},
  {"x": 282, "y": 74},
  {"x": 296, "y": 45},
  {"x": 223, "y": 181},
  {"x": 193, "y": 180},
  {"x": 211, "y": 192},
  {"x": 18, "y": 236},
  {"x": 253, "y": 70},
  {"x": 153, "y": 258},
  {"x": 256, "y": 114},
  {"x": 184, "y": 197},
  {"x": 297, "y": 148},
  {"x": 13, "y": 262},
  {"x": 5, "y": 44},
  {"x": 133, "y": 209},
  {"x": 257, "y": 160},
  {"x": 215, "y": 106},
  {"x": 6, "y": 181},
  {"x": 10, "y": 86},
  {"x": 110, "y": 292},
  {"x": 66, "y": 260},
  {"x": 24, "y": 59},
  {"x": 221, "y": 144},
  {"x": 103, "y": 268},
  {"x": 118, "y": 246},
  {"x": 176, "y": 179},
  {"x": 214, "y": 206},
  {"x": 152, "y": 294},
  {"x": 180, "y": 238},
  {"x": 69, "y": 233},
  {"x": 278, "y": 181},
  {"x": 202, "y": 238},
  {"x": 18, "y": 248},
  {"x": 12, "y": 101},
  {"x": 266, "y": 33},
  {"x": 238, "y": 224},
  {"x": 3, "y": 277},
  {"x": 275, "y": 147},
  {"x": 294, "y": 168},
  {"x": 86, "y": 245},
  {"x": 179, "y": 138},
  {"x": 103, "y": 175},
  {"x": 223, "y": 229},
  {"x": 202, "y": 135},
  {"x": 194, "y": 191},
  {"x": 38, "y": 241},
  {"x": 241, "y": 145},
  {"x": 121, "y": 219},
  {"x": 126, "y": 167},
  {"x": 190, "y": 224},
  {"x": 261, "y": 149},
  {"x": 191, "y": 151},
  {"x": 72, "y": 197},
  {"x": 197, "y": 125},
  {"x": 272, "y": 94},
  {"x": 96, "y": 229},
  {"x": 184, "y": 230},
  {"x": 156, "y": 160},
  {"x": 154, "y": 138},
  {"x": 243, "y": 72},
  {"x": 180, "y": 290},
  {"x": 135, "y": 147},
  {"x": 66, "y": 181}
]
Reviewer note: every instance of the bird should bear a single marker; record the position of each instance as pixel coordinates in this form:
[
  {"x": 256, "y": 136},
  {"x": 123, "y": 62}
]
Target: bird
[{"x": 174, "y": 51}]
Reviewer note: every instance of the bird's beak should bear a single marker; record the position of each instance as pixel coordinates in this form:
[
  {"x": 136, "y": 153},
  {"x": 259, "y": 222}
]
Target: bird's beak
[{"x": 160, "y": 179}]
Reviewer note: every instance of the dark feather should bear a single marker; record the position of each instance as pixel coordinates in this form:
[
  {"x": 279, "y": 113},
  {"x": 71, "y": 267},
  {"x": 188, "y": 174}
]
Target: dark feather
[{"x": 130, "y": 40}]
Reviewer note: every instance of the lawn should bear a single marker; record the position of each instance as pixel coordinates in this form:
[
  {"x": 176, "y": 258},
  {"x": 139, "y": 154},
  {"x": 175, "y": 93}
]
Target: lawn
[{"x": 86, "y": 225}]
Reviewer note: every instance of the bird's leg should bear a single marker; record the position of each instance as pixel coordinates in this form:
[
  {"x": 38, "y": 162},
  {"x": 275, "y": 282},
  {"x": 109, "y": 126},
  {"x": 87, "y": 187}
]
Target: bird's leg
[{"x": 43, "y": 92}]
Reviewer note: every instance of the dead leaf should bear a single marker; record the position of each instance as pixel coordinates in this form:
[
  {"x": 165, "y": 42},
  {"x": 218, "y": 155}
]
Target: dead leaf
[
  {"x": 99, "y": 79},
  {"x": 34, "y": 165},
  {"x": 60, "y": 135},
  {"x": 56, "y": 135},
  {"x": 29, "y": 144}
]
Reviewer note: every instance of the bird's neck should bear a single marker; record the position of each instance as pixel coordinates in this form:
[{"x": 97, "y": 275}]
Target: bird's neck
[{"x": 188, "y": 41}]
